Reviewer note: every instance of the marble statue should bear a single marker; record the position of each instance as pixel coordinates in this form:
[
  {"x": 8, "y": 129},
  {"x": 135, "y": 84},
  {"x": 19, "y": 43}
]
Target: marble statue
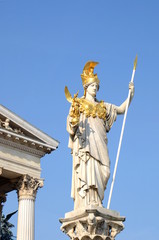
[{"x": 88, "y": 122}]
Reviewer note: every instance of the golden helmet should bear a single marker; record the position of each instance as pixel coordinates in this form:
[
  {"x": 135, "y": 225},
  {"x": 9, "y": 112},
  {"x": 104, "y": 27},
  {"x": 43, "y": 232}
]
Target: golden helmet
[{"x": 87, "y": 75}]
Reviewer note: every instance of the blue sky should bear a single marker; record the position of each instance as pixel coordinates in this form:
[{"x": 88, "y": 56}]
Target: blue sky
[{"x": 43, "y": 47}]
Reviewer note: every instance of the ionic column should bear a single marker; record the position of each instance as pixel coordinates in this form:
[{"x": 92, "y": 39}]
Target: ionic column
[
  {"x": 2, "y": 200},
  {"x": 26, "y": 189}
]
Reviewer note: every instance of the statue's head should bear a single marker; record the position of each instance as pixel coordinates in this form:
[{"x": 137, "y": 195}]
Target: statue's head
[{"x": 88, "y": 76}]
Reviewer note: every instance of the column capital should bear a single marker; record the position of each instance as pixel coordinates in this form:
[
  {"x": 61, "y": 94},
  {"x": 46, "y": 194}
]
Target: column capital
[{"x": 27, "y": 187}]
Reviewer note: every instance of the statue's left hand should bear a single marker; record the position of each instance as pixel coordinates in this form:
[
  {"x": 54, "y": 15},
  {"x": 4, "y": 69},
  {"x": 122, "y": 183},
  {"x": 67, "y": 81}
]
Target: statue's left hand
[{"x": 132, "y": 88}]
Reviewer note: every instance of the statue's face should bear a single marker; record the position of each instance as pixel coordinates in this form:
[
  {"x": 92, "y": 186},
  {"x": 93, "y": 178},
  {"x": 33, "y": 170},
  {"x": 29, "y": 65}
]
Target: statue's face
[{"x": 92, "y": 89}]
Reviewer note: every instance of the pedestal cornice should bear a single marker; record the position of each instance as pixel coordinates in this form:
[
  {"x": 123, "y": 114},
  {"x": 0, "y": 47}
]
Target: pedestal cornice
[{"x": 92, "y": 223}]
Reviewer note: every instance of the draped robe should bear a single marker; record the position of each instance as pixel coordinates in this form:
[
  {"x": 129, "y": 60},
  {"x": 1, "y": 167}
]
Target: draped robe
[{"x": 91, "y": 164}]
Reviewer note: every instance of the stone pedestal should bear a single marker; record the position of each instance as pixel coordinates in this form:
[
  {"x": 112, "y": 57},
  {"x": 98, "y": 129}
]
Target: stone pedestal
[
  {"x": 27, "y": 189},
  {"x": 92, "y": 223}
]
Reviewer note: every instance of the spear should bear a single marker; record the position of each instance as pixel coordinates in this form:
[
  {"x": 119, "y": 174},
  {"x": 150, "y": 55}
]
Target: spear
[{"x": 121, "y": 135}]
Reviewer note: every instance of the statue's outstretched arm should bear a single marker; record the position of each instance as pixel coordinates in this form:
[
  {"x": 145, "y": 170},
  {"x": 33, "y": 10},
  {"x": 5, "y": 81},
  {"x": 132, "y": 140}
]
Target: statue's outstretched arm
[{"x": 121, "y": 109}]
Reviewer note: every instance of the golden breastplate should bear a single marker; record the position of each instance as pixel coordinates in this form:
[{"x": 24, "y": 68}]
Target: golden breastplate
[
  {"x": 92, "y": 110},
  {"x": 81, "y": 105}
]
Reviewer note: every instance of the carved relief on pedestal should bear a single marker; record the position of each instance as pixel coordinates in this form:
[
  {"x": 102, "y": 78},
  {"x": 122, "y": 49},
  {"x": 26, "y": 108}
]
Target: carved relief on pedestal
[{"x": 27, "y": 187}]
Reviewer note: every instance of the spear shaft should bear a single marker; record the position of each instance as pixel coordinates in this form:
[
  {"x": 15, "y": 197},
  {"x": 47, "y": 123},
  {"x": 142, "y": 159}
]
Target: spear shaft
[{"x": 121, "y": 136}]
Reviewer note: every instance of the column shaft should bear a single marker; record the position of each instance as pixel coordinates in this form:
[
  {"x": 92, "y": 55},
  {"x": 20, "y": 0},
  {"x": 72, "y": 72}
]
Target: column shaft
[
  {"x": 27, "y": 188},
  {"x": 26, "y": 217}
]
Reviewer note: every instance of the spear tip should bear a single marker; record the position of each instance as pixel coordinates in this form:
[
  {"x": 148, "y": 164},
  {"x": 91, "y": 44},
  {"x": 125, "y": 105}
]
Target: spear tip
[{"x": 135, "y": 63}]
